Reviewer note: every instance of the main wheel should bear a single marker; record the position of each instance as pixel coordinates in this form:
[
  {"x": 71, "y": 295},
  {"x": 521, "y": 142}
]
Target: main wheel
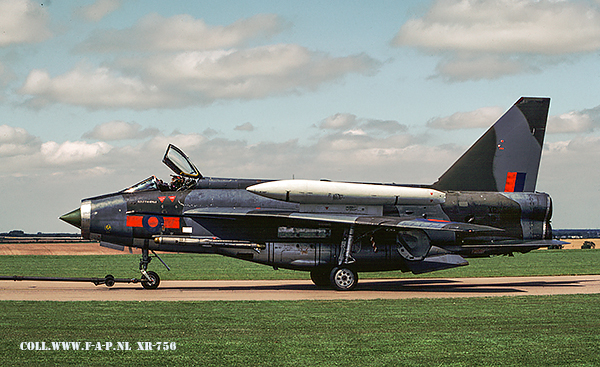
[
  {"x": 343, "y": 279},
  {"x": 320, "y": 278},
  {"x": 153, "y": 282}
]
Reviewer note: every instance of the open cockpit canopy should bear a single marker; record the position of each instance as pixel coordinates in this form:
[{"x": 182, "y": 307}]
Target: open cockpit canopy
[
  {"x": 186, "y": 174},
  {"x": 179, "y": 163}
]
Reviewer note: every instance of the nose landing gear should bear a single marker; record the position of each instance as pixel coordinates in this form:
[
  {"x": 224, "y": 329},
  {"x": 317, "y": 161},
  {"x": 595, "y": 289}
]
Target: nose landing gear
[{"x": 150, "y": 279}]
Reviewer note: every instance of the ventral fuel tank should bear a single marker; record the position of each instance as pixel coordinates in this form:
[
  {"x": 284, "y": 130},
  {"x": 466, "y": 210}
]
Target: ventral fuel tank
[{"x": 331, "y": 192}]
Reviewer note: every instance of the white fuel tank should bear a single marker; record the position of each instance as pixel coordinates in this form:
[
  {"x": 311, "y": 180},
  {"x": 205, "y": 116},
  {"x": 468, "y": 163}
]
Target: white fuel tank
[{"x": 331, "y": 192}]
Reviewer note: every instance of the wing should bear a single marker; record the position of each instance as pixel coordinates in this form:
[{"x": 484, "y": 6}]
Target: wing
[{"x": 350, "y": 219}]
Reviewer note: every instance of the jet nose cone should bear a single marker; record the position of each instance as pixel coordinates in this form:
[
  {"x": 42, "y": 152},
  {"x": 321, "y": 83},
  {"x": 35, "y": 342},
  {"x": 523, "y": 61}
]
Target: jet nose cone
[{"x": 73, "y": 218}]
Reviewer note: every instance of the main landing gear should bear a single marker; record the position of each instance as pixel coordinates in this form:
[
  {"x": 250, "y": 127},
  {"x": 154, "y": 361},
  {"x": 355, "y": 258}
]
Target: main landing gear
[
  {"x": 342, "y": 277},
  {"x": 150, "y": 279}
]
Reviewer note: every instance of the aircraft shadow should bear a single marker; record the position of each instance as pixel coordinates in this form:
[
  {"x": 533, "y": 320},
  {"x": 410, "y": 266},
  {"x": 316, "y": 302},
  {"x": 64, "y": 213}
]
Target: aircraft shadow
[{"x": 431, "y": 286}]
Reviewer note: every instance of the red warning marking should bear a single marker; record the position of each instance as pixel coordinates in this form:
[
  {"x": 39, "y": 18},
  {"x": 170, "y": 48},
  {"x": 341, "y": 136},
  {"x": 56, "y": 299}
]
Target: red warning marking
[
  {"x": 134, "y": 221},
  {"x": 162, "y": 198},
  {"x": 172, "y": 198},
  {"x": 171, "y": 222}
]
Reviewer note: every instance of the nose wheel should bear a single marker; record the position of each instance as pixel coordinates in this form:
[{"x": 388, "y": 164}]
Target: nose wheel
[{"x": 150, "y": 280}]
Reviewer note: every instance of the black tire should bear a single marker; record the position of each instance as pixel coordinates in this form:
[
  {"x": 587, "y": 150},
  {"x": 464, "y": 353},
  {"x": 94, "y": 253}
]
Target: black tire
[
  {"x": 343, "y": 279},
  {"x": 109, "y": 280},
  {"x": 153, "y": 283},
  {"x": 320, "y": 278}
]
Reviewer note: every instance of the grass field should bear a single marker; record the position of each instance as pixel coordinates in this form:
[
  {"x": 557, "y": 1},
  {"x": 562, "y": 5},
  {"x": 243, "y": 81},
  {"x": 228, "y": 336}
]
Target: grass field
[
  {"x": 504, "y": 331},
  {"x": 202, "y": 267},
  {"x": 500, "y": 331}
]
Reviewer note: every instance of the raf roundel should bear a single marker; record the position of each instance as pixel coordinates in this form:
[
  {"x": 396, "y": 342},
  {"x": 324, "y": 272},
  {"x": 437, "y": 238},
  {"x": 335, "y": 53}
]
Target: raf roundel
[{"x": 152, "y": 224}]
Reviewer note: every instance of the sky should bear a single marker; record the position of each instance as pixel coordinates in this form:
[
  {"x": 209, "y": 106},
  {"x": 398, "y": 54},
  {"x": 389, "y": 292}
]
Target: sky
[{"x": 92, "y": 92}]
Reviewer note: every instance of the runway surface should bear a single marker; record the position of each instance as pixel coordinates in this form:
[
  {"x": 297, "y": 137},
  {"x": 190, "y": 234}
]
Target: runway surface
[{"x": 260, "y": 290}]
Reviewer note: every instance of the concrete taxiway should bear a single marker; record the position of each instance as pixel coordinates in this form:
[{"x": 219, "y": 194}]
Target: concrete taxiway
[{"x": 260, "y": 290}]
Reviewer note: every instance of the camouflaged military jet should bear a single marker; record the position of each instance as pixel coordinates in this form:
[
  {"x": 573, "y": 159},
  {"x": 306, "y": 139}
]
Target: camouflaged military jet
[{"x": 484, "y": 204}]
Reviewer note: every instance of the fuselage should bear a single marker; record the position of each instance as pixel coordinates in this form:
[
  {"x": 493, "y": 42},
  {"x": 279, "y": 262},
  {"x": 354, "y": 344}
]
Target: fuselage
[{"x": 181, "y": 220}]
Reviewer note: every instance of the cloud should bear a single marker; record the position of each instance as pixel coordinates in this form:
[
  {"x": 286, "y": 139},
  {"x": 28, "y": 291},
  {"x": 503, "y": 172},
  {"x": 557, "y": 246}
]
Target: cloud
[
  {"x": 480, "y": 118},
  {"x": 182, "y": 33},
  {"x": 99, "y": 88},
  {"x": 119, "y": 130},
  {"x": 209, "y": 133},
  {"x": 181, "y": 61},
  {"x": 16, "y": 135},
  {"x": 15, "y": 141},
  {"x": 584, "y": 121},
  {"x": 71, "y": 152},
  {"x": 333, "y": 155},
  {"x": 98, "y": 10},
  {"x": 538, "y": 27},
  {"x": 249, "y": 73},
  {"x": 387, "y": 126},
  {"x": 194, "y": 78},
  {"x": 244, "y": 127},
  {"x": 339, "y": 121},
  {"x": 570, "y": 122},
  {"x": 23, "y": 21},
  {"x": 508, "y": 35},
  {"x": 350, "y": 124},
  {"x": 588, "y": 145}
]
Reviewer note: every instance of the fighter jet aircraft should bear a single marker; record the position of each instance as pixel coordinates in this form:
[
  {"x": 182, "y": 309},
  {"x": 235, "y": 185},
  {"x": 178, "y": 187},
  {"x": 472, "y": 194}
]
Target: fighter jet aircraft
[{"x": 484, "y": 204}]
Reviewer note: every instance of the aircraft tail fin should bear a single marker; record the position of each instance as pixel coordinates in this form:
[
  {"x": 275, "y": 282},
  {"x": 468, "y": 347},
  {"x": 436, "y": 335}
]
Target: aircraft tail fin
[{"x": 507, "y": 157}]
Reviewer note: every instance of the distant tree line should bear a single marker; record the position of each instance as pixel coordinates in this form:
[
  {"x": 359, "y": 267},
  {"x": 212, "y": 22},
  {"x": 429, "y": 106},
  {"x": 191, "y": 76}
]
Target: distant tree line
[
  {"x": 576, "y": 233},
  {"x": 19, "y": 236}
]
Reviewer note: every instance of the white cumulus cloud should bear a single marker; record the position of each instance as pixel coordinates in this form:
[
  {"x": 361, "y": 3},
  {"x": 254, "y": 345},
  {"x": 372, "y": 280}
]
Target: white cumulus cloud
[
  {"x": 195, "y": 78},
  {"x": 493, "y": 38},
  {"x": 119, "y": 130},
  {"x": 72, "y": 152},
  {"x": 500, "y": 26},
  {"x": 15, "y": 141},
  {"x": 182, "y": 33},
  {"x": 570, "y": 122},
  {"x": 480, "y": 118},
  {"x": 247, "y": 126},
  {"x": 99, "y": 88},
  {"x": 23, "y": 21}
]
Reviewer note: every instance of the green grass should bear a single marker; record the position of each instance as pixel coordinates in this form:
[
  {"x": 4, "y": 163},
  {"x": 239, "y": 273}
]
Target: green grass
[
  {"x": 503, "y": 331},
  {"x": 194, "y": 266}
]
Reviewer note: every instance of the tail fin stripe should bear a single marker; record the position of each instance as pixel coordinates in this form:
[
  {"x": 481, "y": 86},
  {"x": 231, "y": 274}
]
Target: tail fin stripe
[{"x": 515, "y": 181}]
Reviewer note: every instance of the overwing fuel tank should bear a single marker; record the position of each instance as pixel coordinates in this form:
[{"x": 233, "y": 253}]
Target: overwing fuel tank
[{"x": 331, "y": 192}]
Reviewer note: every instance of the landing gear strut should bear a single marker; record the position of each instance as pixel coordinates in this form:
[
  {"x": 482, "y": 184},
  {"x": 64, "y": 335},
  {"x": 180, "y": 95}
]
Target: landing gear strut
[
  {"x": 342, "y": 277},
  {"x": 150, "y": 279}
]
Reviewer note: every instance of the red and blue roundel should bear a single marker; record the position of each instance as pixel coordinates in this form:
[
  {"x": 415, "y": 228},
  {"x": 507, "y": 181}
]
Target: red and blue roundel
[{"x": 152, "y": 223}]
